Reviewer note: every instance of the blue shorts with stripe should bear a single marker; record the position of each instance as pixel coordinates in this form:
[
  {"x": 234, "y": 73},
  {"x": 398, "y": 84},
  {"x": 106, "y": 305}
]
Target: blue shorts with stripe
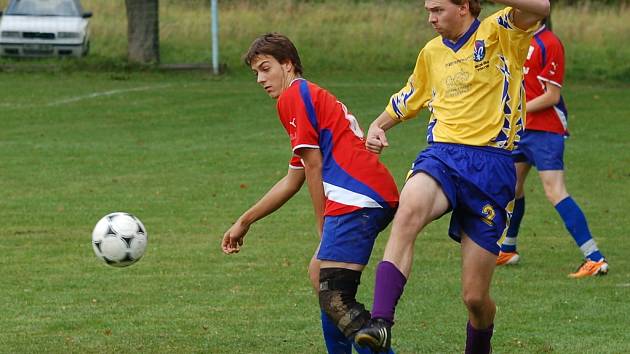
[
  {"x": 479, "y": 183},
  {"x": 350, "y": 237},
  {"x": 543, "y": 150}
]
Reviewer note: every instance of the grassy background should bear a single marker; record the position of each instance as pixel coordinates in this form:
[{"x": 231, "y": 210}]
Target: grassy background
[
  {"x": 187, "y": 153},
  {"x": 338, "y": 35}
]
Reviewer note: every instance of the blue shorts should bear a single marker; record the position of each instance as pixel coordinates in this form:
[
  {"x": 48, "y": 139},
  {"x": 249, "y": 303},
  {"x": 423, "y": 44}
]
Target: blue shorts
[
  {"x": 479, "y": 183},
  {"x": 350, "y": 237},
  {"x": 543, "y": 150}
]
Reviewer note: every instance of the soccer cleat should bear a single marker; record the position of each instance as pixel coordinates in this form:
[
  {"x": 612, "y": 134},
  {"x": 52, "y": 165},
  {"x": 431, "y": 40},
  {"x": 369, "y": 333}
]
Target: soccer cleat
[
  {"x": 507, "y": 258},
  {"x": 591, "y": 268},
  {"x": 376, "y": 334}
]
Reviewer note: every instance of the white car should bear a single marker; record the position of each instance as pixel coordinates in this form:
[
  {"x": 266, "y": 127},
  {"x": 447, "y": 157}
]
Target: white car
[{"x": 40, "y": 28}]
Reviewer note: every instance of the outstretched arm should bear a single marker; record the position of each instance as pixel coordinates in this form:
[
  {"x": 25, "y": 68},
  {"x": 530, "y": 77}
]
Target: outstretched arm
[
  {"x": 279, "y": 194},
  {"x": 527, "y": 12}
]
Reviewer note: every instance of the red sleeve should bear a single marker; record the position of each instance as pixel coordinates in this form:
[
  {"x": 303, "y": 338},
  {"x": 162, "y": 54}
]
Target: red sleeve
[
  {"x": 553, "y": 71},
  {"x": 296, "y": 163}
]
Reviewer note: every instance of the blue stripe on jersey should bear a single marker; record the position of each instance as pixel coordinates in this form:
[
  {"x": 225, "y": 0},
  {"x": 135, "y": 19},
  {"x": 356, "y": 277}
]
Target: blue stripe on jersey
[
  {"x": 333, "y": 173},
  {"x": 563, "y": 108},
  {"x": 542, "y": 49},
  {"x": 463, "y": 39},
  {"x": 432, "y": 124},
  {"x": 504, "y": 21},
  {"x": 305, "y": 93}
]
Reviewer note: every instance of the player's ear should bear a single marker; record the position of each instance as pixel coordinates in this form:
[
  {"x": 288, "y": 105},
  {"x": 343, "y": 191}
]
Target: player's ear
[
  {"x": 464, "y": 8},
  {"x": 288, "y": 67}
]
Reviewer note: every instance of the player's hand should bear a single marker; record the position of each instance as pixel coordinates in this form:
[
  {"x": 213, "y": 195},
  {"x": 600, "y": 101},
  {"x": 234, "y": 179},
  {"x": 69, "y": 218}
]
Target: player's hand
[
  {"x": 376, "y": 140},
  {"x": 233, "y": 238}
]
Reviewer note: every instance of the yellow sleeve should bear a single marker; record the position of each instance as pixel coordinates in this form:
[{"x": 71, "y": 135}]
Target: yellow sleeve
[
  {"x": 406, "y": 103},
  {"x": 514, "y": 41}
]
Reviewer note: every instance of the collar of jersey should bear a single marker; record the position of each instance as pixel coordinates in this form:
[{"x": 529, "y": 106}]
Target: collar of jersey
[
  {"x": 463, "y": 39},
  {"x": 296, "y": 79},
  {"x": 540, "y": 30}
]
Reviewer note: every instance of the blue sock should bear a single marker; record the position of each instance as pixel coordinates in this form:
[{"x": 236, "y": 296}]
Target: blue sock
[
  {"x": 509, "y": 244},
  {"x": 575, "y": 222},
  {"x": 336, "y": 342}
]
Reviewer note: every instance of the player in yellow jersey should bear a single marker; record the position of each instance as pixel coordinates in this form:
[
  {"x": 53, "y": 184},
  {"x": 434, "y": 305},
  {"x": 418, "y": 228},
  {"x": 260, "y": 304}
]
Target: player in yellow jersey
[{"x": 470, "y": 79}]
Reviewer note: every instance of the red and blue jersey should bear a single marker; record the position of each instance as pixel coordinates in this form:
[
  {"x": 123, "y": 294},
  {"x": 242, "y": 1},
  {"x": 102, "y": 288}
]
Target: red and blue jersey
[
  {"x": 545, "y": 65},
  {"x": 353, "y": 177}
]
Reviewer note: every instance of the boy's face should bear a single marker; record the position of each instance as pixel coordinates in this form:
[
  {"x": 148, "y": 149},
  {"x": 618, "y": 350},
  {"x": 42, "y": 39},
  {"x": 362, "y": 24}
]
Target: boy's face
[
  {"x": 445, "y": 17},
  {"x": 272, "y": 75}
]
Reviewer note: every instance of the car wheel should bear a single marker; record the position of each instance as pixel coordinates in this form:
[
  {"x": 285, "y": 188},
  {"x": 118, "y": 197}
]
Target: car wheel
[{"x": 86, "y": 49}]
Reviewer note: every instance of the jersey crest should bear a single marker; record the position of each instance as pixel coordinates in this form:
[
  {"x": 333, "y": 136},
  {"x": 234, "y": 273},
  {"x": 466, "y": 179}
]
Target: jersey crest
[{"x": 480, "y": 50}]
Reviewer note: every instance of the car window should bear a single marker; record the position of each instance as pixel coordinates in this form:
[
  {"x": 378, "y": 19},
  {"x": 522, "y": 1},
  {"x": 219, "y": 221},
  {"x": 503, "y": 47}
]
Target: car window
[{"x": 43, "y": 8}]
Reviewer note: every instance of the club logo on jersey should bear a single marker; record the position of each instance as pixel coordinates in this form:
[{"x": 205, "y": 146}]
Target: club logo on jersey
[
  {"x": 480, "y": 50},
  {"x": 554, "y": 67}
]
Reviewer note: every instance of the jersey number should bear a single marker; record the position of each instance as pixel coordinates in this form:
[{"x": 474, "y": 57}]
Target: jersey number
[
  {"x": 489, "y": 214},
  {"x": 354, "y": 124}
]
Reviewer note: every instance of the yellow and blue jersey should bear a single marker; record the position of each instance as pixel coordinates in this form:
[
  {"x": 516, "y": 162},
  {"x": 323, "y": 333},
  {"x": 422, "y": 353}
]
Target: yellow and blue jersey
[{"x": 473, "y": 88}]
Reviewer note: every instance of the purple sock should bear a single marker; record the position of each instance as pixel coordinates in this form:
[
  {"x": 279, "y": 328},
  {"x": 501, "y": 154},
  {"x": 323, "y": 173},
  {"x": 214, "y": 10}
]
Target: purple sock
[
  {"x": 390, "y": 283},
  {"x": 478, "y": 340}
]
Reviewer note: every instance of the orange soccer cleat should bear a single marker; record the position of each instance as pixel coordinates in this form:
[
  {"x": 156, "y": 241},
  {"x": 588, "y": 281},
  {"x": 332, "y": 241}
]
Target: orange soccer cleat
[
  {"x": 591, "y": 268},
  {"x": 507, "y": 258}
]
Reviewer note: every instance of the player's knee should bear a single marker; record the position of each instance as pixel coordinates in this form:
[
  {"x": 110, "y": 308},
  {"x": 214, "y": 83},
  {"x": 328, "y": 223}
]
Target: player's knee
[
  {"x": 337, "y": 292},
  {"x": 409, "y": 221},
  {"x": 555, "y": 196},
  {"x": 475, "y": 302}
]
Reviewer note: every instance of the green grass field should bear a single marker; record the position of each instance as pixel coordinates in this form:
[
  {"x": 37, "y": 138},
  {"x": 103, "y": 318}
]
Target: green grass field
[{"x": 187, "y": 153}]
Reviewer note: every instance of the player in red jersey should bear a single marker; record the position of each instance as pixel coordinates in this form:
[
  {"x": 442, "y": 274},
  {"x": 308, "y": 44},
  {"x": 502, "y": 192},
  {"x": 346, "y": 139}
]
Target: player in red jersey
[
  {"x": 542, "y": 146},
  {"x": 354, "y": 196}
]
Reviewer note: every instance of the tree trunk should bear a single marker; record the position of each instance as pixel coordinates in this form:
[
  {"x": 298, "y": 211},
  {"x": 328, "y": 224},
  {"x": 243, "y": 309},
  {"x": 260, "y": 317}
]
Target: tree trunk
[{"x": 143, "y": 33}]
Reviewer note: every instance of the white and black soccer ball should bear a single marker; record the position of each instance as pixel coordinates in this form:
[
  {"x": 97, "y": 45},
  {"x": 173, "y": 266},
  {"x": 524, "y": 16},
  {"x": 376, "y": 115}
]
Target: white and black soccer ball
[{"x": 119, "y": 239}]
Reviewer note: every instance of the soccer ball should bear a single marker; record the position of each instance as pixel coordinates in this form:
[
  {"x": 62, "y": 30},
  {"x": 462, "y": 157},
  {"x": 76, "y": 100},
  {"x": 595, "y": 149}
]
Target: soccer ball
[{"x": 119, "y": 239}]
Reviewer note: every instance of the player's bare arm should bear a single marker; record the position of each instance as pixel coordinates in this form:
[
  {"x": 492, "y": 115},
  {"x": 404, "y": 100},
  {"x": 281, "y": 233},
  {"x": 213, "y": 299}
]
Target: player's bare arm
[
  {"x": 376, "y": 139},
  {"x": 550, "y": 98},
  {"x": 527, "y": 12},
  {"x": 279, "y": 194},
  {"x": 313, "y": 162}
]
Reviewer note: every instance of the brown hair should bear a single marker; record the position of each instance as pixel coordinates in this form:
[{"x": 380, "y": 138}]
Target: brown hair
[
  {"x": 278, "y": 46},
  {"x": 473, "y": 5}
]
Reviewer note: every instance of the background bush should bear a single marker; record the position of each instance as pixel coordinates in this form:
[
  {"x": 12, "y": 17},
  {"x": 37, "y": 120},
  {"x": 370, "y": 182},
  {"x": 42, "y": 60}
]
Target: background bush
[{"x": 335, "y": 35}]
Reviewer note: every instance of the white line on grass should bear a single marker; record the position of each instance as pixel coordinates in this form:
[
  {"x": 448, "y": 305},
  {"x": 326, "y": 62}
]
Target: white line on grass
[{"x": 106, "y": 93}]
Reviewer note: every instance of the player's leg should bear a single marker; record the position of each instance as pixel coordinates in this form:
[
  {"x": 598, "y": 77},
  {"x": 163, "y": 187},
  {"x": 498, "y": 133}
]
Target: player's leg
[
  {"x": 550, "y": 166},
  {"x": 575, "y": 222},
  {"x": 477, "y": 268},
  {"x": 508, "y": 254},
  {"x": 479, "y": 221},
  {"x": 347, "y": 243},
  {"x": 336, "y": 342},
  {"x": 421, "y": 201},
  {"x": 524, "y": 157},
  {"x": 313, "y": 271}
]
